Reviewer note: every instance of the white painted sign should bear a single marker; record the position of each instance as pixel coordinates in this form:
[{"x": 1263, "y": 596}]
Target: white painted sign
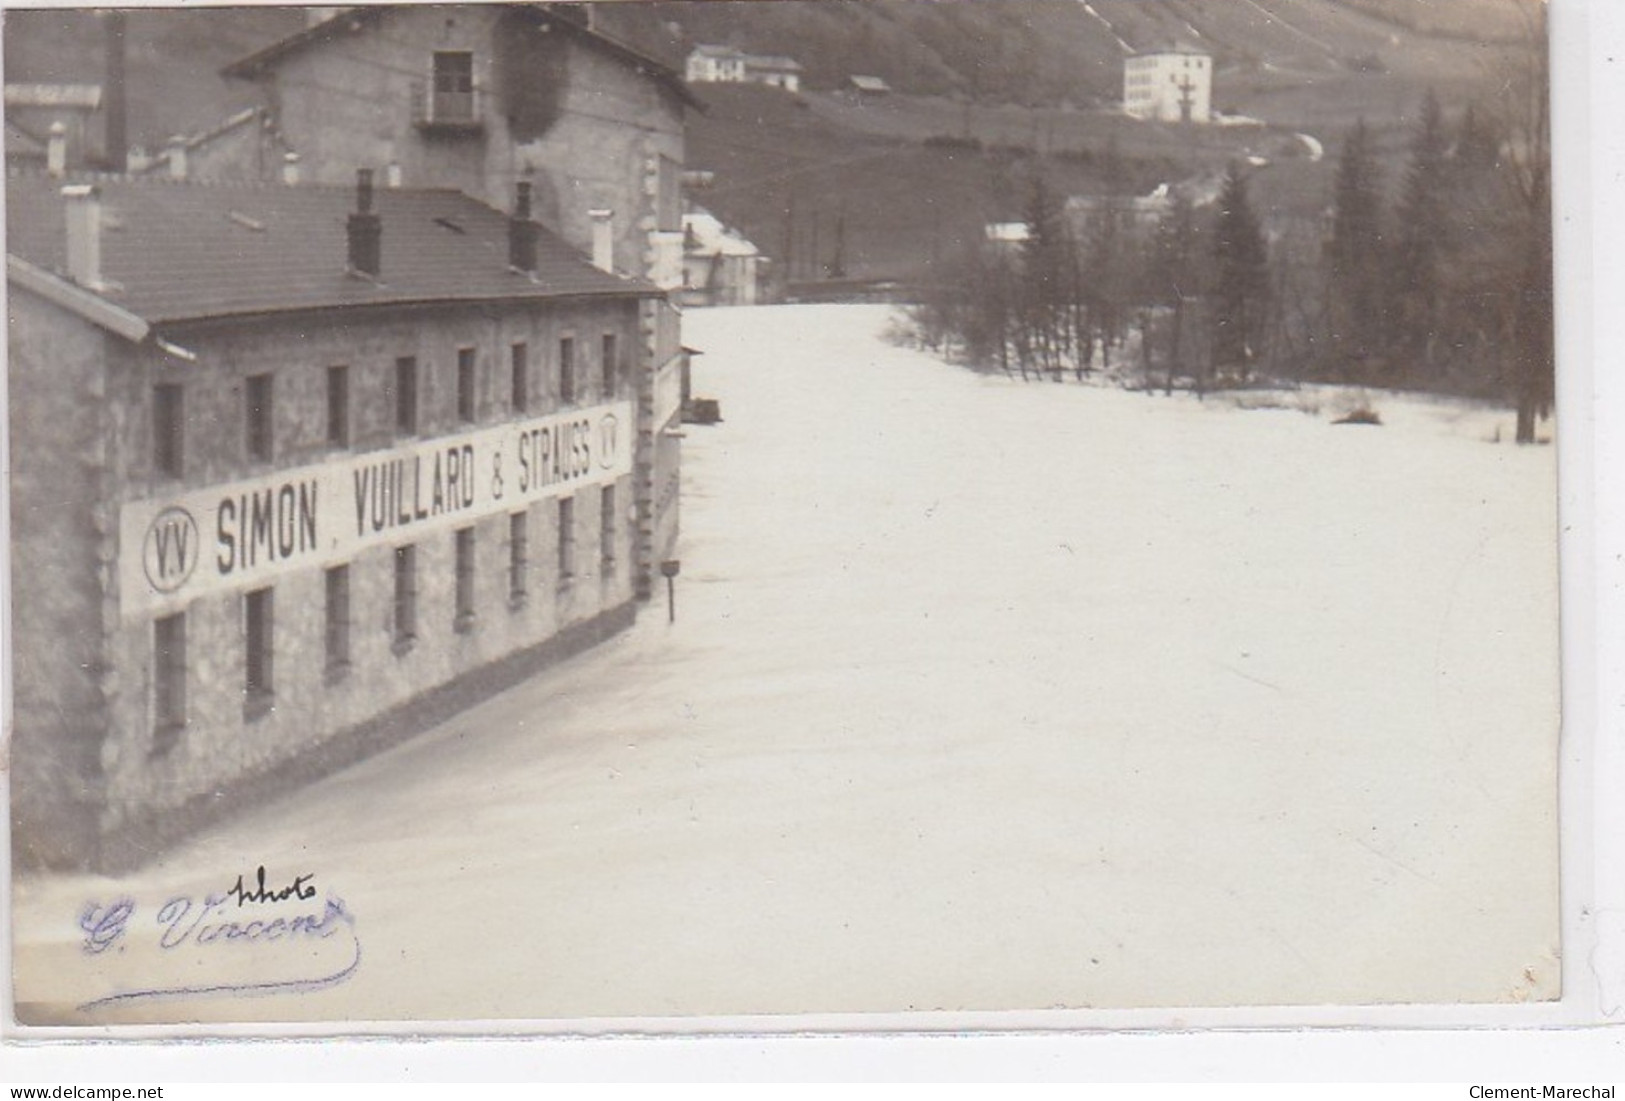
[
  {"x": 668, "y": 392},
  {"x": 667, "y": 484},
  {"x": 246, "y": 533}
]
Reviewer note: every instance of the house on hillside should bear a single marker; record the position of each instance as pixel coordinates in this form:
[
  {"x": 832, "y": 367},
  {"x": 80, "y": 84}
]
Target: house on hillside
[
  {"x": 774, "y": 71},
  {"x": 481, "y": 98},
  {"x": 708, "y": 64},
  {"x": 1006, "y": 237},
  {"x": 728, "y": 65},
  {"x": 720, "y": 266},
  {"x": 1174, "y": 84},
  {"x": 290, "y": 468}
]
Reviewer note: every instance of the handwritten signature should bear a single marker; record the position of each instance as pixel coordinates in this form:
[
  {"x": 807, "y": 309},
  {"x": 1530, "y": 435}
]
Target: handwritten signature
[{"x": 278, "y": 943}]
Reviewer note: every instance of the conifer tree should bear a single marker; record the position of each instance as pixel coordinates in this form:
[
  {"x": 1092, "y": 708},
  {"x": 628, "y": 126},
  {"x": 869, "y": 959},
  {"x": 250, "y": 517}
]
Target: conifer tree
[
  {"x": 1355, "y": 257},
  {"x": 1175, "y": 277},
  {"x": 1241, "y": 279},
  {"x": 1423, "y": 242}
]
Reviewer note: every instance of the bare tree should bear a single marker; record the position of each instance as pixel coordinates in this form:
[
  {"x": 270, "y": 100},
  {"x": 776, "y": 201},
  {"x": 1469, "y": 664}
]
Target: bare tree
[{"x": 1524, "y": 104}]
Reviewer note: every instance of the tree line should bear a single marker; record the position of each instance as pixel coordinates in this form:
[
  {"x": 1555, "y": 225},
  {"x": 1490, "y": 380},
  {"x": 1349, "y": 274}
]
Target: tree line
[{"x": 1439, "y": 278}]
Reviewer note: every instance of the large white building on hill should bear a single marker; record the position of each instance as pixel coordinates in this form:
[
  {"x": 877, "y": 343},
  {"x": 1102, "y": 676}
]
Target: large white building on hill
[{"x": 1172, "y": 85}]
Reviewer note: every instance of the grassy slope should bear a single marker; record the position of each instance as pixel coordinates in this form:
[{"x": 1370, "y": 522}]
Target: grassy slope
[{"x": 903, "y": 201}]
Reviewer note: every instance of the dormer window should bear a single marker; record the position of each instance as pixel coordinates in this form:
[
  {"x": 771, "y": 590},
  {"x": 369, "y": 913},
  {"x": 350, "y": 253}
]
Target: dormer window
[{"x": 451, "y": 102}]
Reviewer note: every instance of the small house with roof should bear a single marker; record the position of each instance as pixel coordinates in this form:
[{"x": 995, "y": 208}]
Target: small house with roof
[
  {"x": 720, "y": 266},
  {"x": 773, "y": 70},
  {"x": 709, "y": 64},
  {"x": 715, "y": 64},
  {"x": 867, "y": 87},
  {"x": 293, "y": 468}
]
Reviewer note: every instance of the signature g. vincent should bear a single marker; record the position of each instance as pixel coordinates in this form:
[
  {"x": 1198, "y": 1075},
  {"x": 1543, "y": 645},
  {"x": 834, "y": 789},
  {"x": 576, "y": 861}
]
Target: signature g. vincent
[{"x": 251, "y": 939}]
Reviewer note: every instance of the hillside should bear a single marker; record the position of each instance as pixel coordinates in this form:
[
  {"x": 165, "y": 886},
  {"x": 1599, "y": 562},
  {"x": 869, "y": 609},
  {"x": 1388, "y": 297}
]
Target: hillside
[
  {"x": 990, "y": 92},
  {"x": 1292, "y": 62},
  {"x": 1071, "y": 51}
]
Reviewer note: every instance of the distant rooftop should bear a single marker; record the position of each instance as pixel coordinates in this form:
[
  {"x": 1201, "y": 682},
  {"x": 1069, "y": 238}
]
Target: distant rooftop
[
  {"x": 709, "y": 50},
  {"x": 1162, "y": 48},
  {"x": 709, "y": 237},
  {"x": 774, "y": 62},
  {"x": 83, "y": 97},
  {"x": 567, "y": 16}
]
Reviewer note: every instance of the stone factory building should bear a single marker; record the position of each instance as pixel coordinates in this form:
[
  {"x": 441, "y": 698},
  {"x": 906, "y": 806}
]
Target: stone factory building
[
  {"x": 292, "y": 469},
  {"x": 479, "y": 98}
]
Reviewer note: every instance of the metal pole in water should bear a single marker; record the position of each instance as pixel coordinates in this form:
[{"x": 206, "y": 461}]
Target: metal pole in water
[{"x": 669, "y": 569}]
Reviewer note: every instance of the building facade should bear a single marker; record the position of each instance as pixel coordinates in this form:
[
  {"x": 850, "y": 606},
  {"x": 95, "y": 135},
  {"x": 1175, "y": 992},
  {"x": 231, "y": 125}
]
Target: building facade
[
  {"x": 480, "y": 98},
  {"x": 1173, "y": 85},
  {"x": 709, "y": 64},
  {"x": 293, "y": 469},
  {"x": 727, "y": 65}
]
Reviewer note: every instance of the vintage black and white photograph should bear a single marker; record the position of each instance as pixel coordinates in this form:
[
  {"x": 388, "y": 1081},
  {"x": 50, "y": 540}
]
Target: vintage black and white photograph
[{"x": 571, "y": 512}]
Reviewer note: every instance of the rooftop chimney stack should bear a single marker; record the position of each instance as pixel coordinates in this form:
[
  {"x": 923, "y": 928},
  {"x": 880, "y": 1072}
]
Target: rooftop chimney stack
[
  {"x": 290, "y": 168},
  {"x": 56, "y": 150},
  {"x": 603, "y": 239},
  {"x": 365, "y": 229},
  {"x": 84, "y": 223},
  {"x": 522, "y": 232},
  {"x": 177, "y": 158},
  {"x": 115, "y": 135}
]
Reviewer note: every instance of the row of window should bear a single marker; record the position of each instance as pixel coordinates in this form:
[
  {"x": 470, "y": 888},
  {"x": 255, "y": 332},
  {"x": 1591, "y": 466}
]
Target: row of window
[
  {"x": 259, "y": 398},
  {"x": 1149, "y": 80},
  {"x": 259, "y": 685}
]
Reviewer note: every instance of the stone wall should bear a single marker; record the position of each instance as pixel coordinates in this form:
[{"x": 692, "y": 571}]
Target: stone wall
[
  {"x": 88, "y": 753},
  {"x": 61, "y": 537}
]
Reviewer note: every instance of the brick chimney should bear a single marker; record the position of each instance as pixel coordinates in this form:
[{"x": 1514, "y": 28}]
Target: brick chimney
[
  {"x": 522, "y": 232},
  {"x": 115, "y": 135},
  {"x": 83, "y": 208},
  {"x": 365, "y": 229},
  {"x": 177, "y": 157},
  {"x": 56, "y": 150},
  {"x": 603, "y": 239}
]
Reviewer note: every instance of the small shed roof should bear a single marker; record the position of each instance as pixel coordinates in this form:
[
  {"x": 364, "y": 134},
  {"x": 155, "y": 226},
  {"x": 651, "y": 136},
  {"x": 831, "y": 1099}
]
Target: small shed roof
[{"x": 869, "y": 84}]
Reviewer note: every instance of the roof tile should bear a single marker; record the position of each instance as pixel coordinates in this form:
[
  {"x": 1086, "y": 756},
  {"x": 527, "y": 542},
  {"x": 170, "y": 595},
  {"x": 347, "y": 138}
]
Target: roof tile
[{"x": 176, "y": 251}]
